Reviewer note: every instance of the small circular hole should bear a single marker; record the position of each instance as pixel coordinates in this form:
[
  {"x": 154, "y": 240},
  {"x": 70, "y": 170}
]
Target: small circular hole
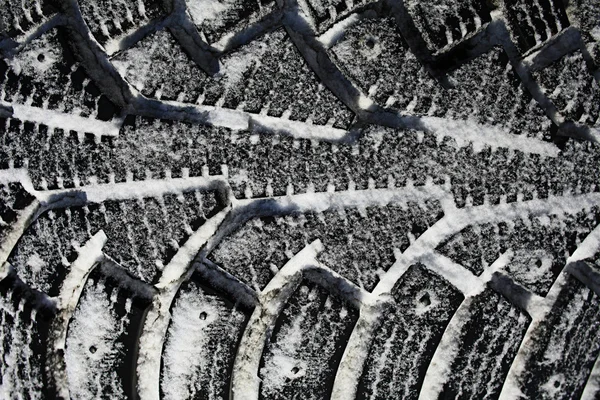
[
  {"x": 295, "y": 370},
  {"x": 370, "y": 43},
  {"x": 93, "y": 349},
  {"x": 538, "y": 263},
  {"x": 41, "y": 57},
  {"x": 556, "y": 384},
  {"x": 425, "y": 299},
  {"x": 203, "y": 315}
]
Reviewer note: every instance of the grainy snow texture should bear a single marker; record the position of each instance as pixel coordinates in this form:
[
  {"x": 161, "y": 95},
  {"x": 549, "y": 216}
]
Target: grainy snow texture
[
  {"x": 577, "y": 316},
  {"x": 299, "y": 199},
  {"x": 358, "y": 244},
  {"x": 93, "y": 351},
  {"x": 305, "y": 346},
  {"x": 21, "y": 366},
  {"x": 201, "y": 341},
  {"x": 404, "y": 346}
]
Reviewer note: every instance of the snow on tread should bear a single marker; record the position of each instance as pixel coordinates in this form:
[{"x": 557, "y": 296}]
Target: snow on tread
[
  {"x": 587, "y": 15},
  {"x": 110, "y": 19},
  {"x": 153, "y": 148},
  {"x": 216, "y": 20},
  {"x": 572, "y": 87},
  {"x": 14, "y": 200},
  {"x": 535, "y": 23},
  {"x": 46, "y": 75},
  {"x": 154, "y": 229},
  {"x": 227, "y": 199},
  {"x": 21, "y": 367},
  {"x": 567, "y": 344},
  {"x": 200, "y": 345},
  {"x": 306, "y": 345},
  {"x": 18, "y": 17},
  {"x": 536, "y": 262},
  {"x": 144, "y": 64},
  {"x": 488, "y": 342},
  {"x": 94, "y": 352},
  {"x": 326, "y": 13},
  {"x": 445, "y": 22},
  {"x": 358, "y": 244},
  {"x": 404, "y": 345},
  {"x": 240, "y": 85},
  {"x": 377, "y": 58}
]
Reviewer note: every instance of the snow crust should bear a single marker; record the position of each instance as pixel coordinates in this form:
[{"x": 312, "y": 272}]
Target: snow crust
[
  {"x": 156, "y": 323},
  {"x": 201, "y": 336},
  {"x": 93, "y": 350},
  {"x": 54, "y": 119},
  {"x": 208, "y": 10},
  {"x": 298, "y": 359},
  {"x": 245, "y": 381},
  {"x": 89, "y": 255},
  {"x": 511, "y": 389}
]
